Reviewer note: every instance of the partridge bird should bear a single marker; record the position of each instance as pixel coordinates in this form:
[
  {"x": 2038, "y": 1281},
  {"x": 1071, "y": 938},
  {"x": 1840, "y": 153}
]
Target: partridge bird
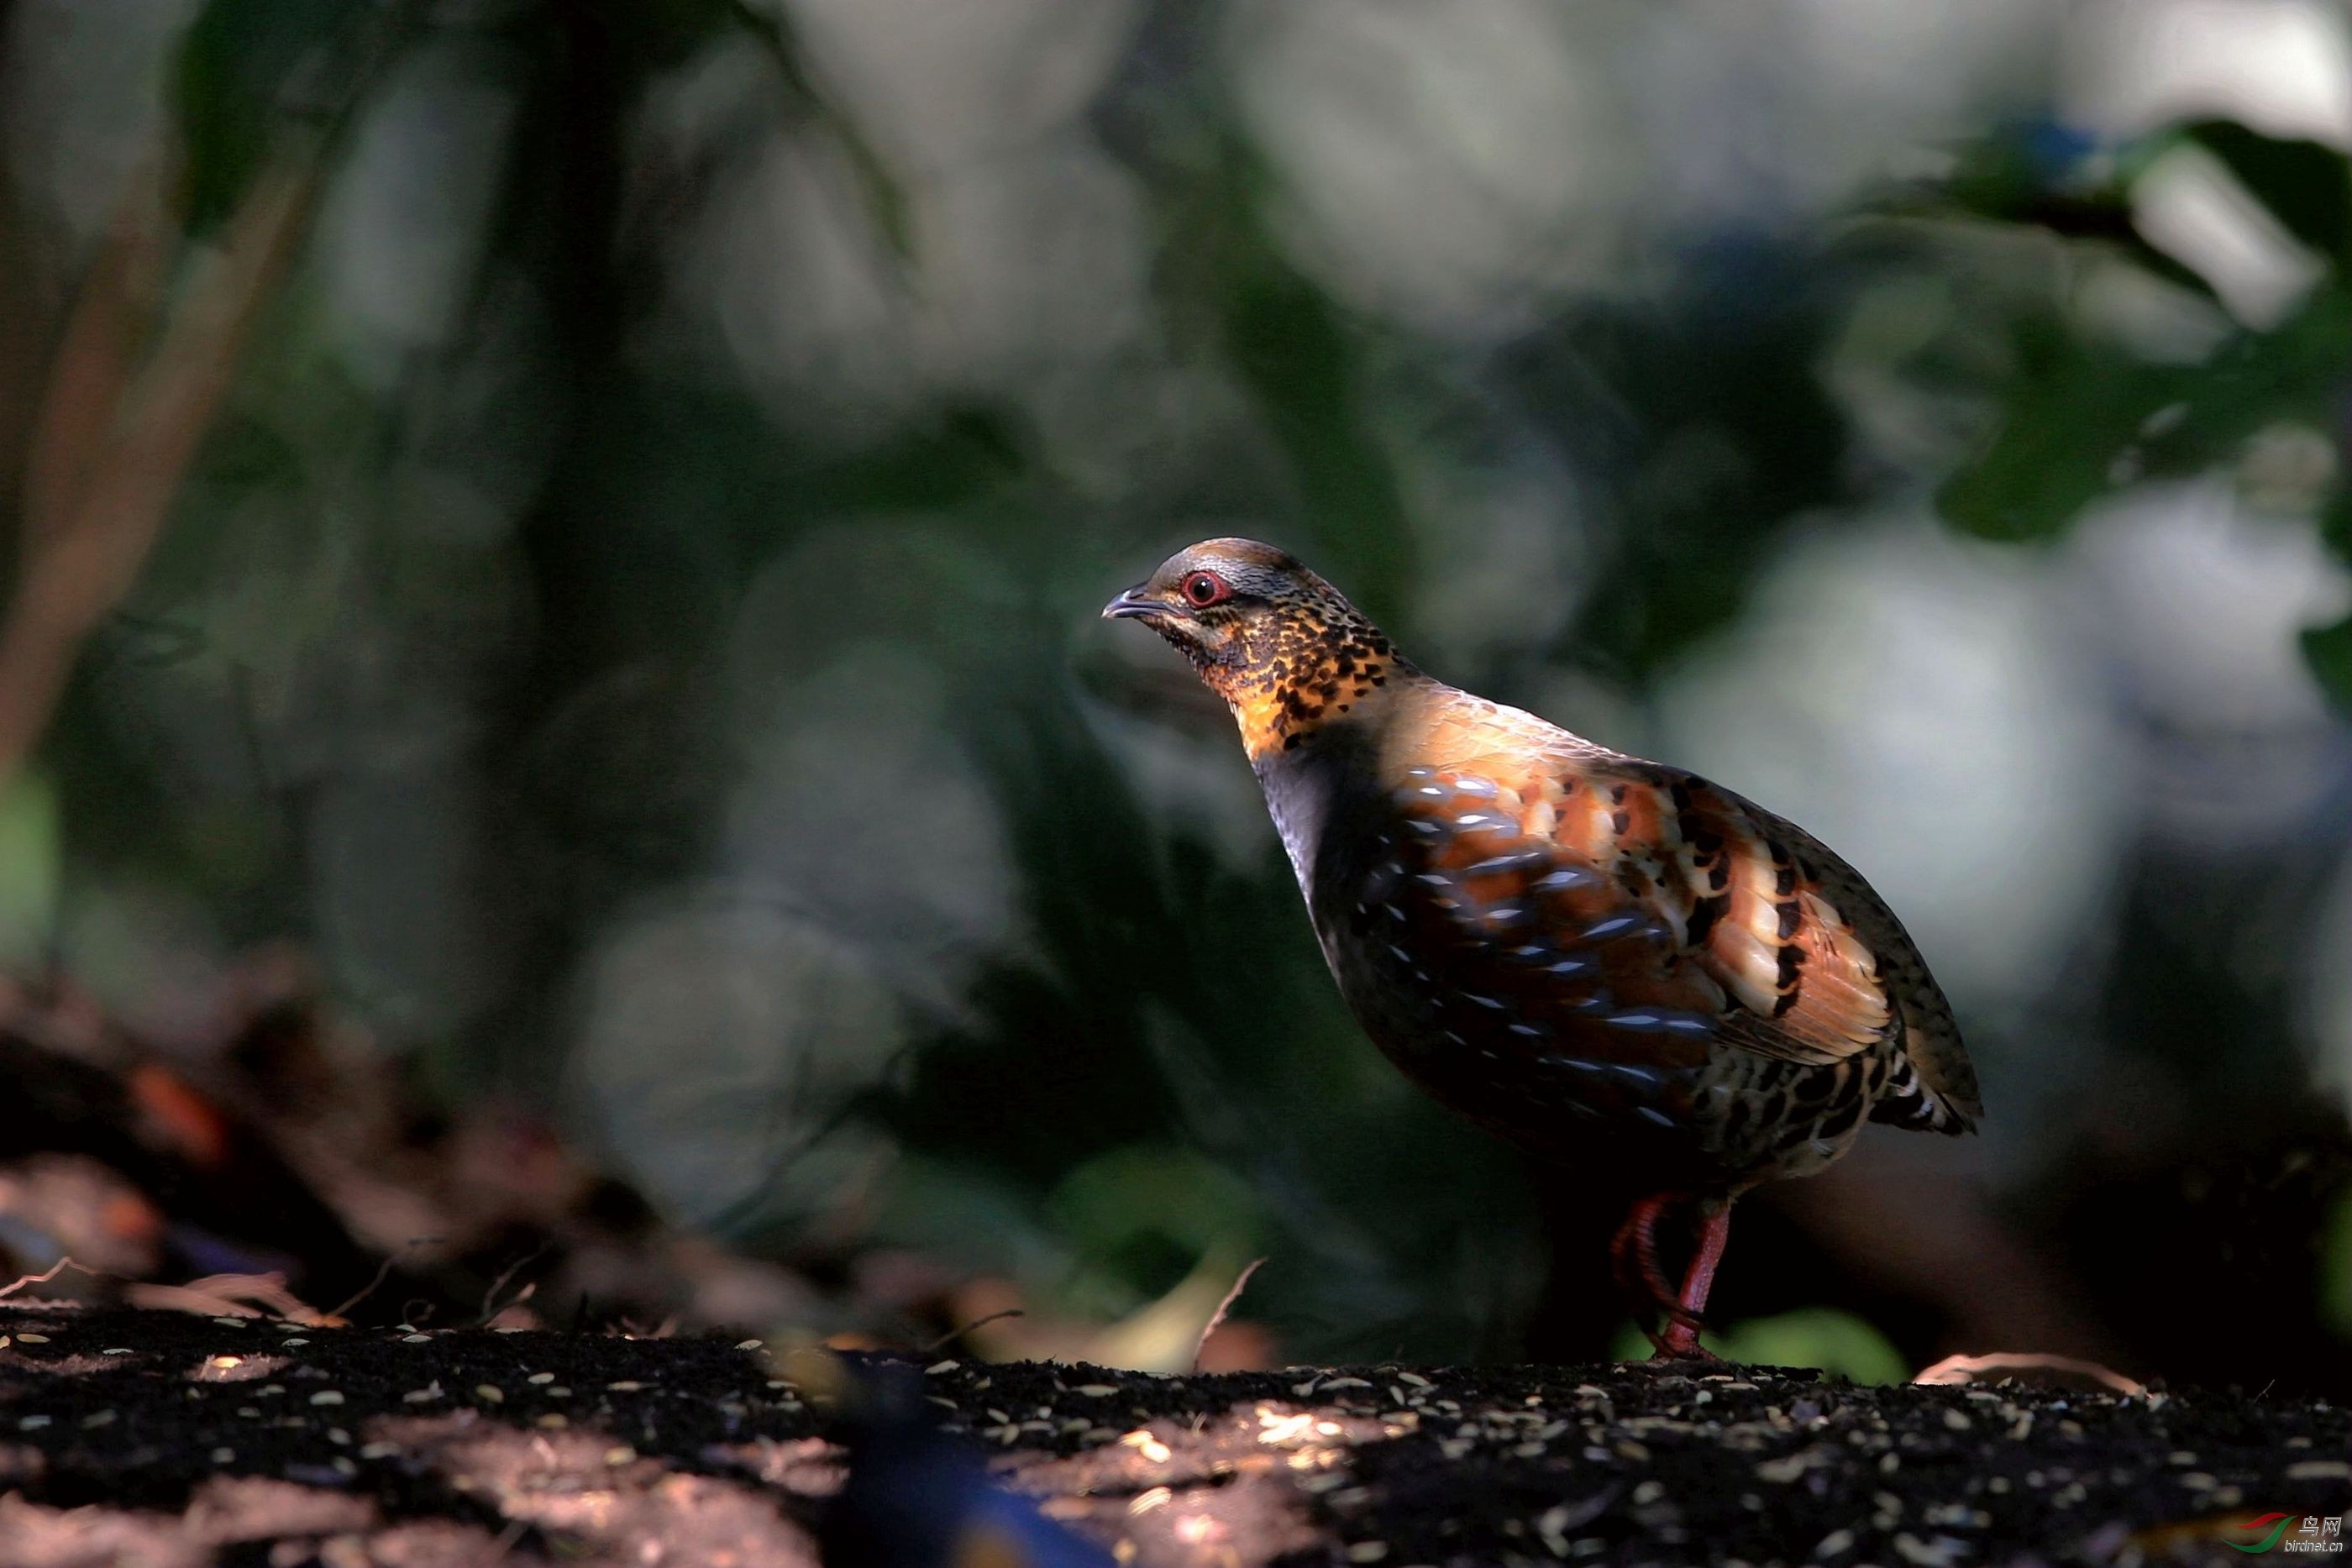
[{"x": 1596, "y": 958}]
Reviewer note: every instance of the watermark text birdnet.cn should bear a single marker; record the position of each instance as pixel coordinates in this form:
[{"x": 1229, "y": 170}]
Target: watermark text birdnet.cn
[{"x": 2311, "y": 1533}]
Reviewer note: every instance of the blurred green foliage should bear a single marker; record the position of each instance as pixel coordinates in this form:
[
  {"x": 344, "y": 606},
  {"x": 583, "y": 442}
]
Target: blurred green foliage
[
  {"x": 30, "y": 850},
  {"x": 245, "y": 68},
  {"x": 2084, "y": 414},
  {"x": 2336, "y": 1268}
]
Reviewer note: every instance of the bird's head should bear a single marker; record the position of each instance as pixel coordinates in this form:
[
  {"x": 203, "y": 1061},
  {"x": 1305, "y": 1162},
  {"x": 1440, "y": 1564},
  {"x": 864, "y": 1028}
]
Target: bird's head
[{"x": 1283, "y": 647}]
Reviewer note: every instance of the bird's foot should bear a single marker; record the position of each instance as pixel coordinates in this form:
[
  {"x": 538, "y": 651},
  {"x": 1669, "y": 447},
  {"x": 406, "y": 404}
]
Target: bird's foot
[{"x": 1679, "y": 1339}]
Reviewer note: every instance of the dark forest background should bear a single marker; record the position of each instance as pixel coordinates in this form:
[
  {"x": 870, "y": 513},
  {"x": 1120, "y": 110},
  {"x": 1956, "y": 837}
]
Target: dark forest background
[{"x": 560, "y": 540}]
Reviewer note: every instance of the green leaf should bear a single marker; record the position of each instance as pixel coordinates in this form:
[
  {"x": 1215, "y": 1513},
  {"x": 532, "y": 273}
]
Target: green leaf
[
  {"x": 2085, "y": 417},
  {"x": 2075, "y": 414},
  {"x": 2328, "y": 650},
  {"x": 2306, "y": 185},
  {"x": 1142, "y": 1205},
  {"x": 1838, "y": 1342}
]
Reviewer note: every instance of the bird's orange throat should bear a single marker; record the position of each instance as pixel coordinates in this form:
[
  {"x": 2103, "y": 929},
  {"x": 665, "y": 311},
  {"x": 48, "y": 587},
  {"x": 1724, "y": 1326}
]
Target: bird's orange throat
[{"x": 1307, "y": 674}]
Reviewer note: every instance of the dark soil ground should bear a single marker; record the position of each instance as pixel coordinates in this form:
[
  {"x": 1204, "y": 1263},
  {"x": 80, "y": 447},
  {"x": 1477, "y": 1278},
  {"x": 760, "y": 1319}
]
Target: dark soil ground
[{"x": 151, "y": 1438}]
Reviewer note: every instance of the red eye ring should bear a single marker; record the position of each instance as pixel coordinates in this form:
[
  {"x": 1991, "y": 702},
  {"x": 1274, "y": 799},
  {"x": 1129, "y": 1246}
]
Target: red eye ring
[{"x": 1203, "y": 589}]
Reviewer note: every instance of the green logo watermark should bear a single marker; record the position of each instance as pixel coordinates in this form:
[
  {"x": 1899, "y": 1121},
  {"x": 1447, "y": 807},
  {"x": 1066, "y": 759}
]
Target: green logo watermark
[{"x": 2313, "y": 1533}]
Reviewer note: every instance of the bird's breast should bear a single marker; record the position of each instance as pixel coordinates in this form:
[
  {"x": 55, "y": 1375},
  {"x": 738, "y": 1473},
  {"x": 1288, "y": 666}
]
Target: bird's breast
[
  {"x": 1299, "y": 801},
  {"x": 1319, "y": 797},
  {"x": 1326, "y": 813}
]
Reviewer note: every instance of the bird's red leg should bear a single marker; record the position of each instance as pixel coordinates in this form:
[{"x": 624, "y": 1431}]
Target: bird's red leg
[
  {"x": 1634, "y": 1253},
  {"x": 1621, "y": 1265},
  {"x": 1689, "y": 1310}
]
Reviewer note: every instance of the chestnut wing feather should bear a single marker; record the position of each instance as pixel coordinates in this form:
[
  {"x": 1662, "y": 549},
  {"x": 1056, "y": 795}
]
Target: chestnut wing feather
[{"x": 1636, "y": 900}]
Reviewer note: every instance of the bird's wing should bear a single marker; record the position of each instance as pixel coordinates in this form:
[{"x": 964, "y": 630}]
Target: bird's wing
[
  {"x": 1944, "y": 1097},
  {"x": 1653, "y": 896},
  {"x": 1758, "y": 912}
]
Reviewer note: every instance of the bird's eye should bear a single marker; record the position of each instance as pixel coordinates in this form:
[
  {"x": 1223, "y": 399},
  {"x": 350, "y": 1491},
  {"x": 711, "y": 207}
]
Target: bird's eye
[{"x": 1206, "y": 587}]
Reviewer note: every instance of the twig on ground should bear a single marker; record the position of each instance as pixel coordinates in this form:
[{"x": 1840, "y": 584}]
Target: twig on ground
[
  {"x": 1217, "y": 1319},
  {"x": 958, "y": 1333},
  {"x": 218, "y": 1295},
  {"x": 54, "y": 1270},
  {"x": 1957, "y": 1369},
  {"x": 490, "y": 1305},
  {"x": 383, "y": 1272},
  {"x": 230, "y": 1296}
]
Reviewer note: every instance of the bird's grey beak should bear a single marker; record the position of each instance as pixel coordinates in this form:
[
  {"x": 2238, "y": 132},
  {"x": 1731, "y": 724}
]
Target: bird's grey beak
[{"x": 1132, "y": 602}]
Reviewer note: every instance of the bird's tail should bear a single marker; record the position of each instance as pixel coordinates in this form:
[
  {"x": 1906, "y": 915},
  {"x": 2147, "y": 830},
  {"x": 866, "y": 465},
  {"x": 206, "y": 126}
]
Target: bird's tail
[{"x": 1908, "y": 1102}]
